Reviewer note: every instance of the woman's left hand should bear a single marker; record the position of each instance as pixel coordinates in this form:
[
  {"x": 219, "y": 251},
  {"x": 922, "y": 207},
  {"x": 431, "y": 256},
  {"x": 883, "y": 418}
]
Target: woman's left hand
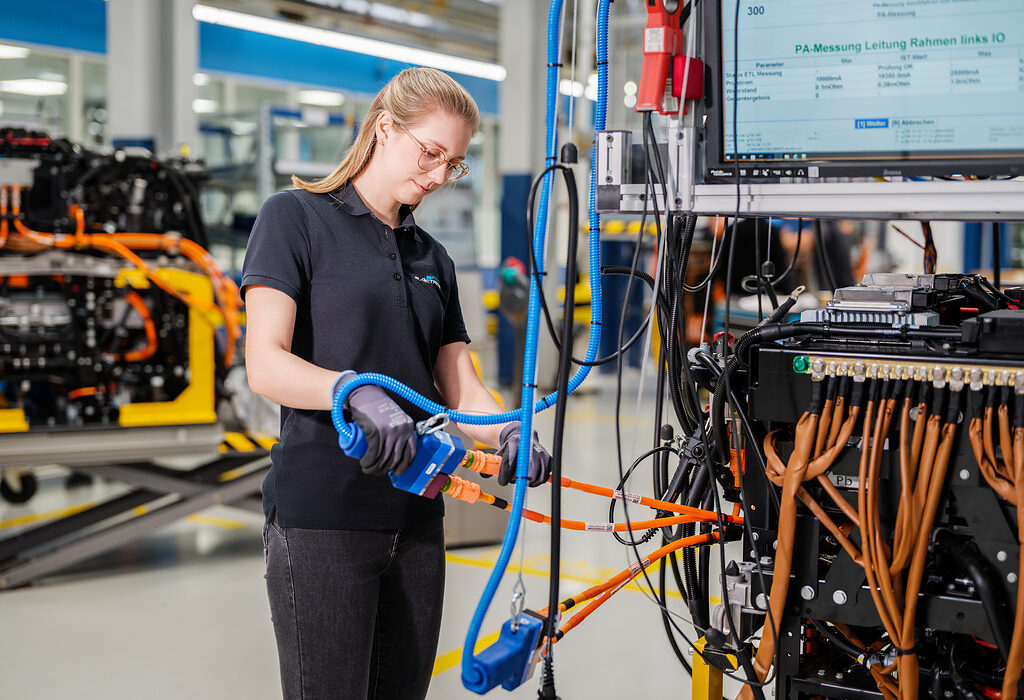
[{"x": 540, "y": 460}]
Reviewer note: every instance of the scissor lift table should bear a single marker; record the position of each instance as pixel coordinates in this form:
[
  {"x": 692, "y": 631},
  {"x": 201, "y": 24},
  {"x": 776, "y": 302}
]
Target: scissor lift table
[{"x": 230, "y": 472}]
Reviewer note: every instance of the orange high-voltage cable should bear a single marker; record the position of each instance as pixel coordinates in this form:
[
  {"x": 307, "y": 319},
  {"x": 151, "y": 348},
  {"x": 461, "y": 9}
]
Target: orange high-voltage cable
[
  {"x": 150, "y": 328},
  {"x": 598, "y": 595},
  {"x": 122, "y": 244},
  {"x": 1007, "y": 480},
  {"x": 468, "y": 491}
]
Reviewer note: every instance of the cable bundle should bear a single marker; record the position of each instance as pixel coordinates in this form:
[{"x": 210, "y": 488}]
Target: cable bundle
[{"x": 1006, "y": 477}]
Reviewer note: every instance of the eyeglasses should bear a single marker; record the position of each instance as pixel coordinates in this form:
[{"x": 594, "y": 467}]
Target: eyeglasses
[{"x": 431, "y": 159}]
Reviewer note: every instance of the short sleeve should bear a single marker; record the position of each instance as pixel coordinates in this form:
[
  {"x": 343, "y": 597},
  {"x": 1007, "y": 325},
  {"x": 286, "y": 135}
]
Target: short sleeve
[
  {"x": 454, "y": 325},
  {"x": 278, "y": 253}
]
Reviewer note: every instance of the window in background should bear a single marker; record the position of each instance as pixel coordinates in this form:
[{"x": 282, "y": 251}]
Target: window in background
[
  {"x": 33, "y": 90},
  {"x": 94, "y": 103}
]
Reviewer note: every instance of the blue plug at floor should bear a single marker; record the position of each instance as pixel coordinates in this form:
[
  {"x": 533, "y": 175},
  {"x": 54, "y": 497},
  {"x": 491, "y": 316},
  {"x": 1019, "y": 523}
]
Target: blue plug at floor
[{"x": 510, "y": 661}]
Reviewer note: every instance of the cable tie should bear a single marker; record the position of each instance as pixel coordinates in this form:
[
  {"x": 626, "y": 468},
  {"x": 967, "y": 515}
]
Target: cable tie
[
  {"x": 905, "y": 652},
  {"x": 602, "y": 63},
  {"x": 554, "y": 65}
]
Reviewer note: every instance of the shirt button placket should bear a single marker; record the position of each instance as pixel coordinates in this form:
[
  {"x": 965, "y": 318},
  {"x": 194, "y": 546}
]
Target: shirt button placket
[{"x": 389, "y": 235}]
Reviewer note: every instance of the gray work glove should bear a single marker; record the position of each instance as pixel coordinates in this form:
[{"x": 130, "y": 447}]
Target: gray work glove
[
  {"x": 390, "y": 432},
  {"x": 540, "y": 460}
]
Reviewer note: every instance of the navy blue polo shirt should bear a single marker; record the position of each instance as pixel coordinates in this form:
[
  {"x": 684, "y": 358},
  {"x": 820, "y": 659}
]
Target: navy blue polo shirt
[{"x": 368, "y": 298}]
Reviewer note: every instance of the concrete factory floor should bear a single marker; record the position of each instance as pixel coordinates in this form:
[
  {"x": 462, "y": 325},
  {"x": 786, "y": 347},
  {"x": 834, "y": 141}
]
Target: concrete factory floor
[{"x": 183, "y": 612}]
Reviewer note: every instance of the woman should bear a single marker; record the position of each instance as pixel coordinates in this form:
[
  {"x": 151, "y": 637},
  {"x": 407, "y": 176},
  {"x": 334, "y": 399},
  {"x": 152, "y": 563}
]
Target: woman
[{"x": 338, "y": 277}]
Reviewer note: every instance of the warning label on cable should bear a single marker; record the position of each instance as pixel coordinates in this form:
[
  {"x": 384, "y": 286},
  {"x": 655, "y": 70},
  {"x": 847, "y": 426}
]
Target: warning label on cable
[{"x": 626, "y": 496}]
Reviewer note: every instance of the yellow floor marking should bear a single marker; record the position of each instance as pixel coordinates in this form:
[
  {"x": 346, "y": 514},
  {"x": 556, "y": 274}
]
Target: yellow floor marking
[
  {"x": 239, "y": 442},
  {"x": 487, "y": 561},
  {"x": 265, "y": 441},
  {"x": 219, "y": 522},
  {"x": 450, "y": 659},
  {"x": 49, "y": 515}
]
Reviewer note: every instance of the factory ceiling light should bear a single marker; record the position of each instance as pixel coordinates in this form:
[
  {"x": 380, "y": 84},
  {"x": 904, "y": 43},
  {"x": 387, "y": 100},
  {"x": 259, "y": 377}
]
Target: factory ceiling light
[
  {"x": 34, "y": 87},
  {"x": 321, "y": 98},
  {"x": 348, "y": 42},
  {"x": 8, "y": 51}
]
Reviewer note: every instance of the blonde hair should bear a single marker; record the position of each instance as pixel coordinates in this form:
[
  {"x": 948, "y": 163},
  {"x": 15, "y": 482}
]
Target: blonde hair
[{"x": 408, "y": 96}]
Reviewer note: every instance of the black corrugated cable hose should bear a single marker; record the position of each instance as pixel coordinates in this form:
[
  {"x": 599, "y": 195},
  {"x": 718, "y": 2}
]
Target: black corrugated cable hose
[
  {"x": 977, "y": 568},
  {"x": 678, "y": 365},
  {"x": 564, "y": 369}
]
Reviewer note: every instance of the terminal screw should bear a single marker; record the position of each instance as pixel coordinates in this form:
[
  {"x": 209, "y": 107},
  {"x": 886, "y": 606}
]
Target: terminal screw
[{"x": 976, "y": 380}]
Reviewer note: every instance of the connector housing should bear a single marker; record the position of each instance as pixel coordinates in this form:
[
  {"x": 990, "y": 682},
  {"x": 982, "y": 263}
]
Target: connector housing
[
  {"x": 437, "y": 453},
  {"x": 510, "y": 661}
]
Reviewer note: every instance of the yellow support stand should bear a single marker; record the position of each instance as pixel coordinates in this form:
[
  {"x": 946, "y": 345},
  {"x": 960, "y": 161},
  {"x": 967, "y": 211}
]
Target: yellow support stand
[
  {"x": 196, "y": 403},
  {"x": 707, "y": 680},
  {"x": 12, "y": 420}
]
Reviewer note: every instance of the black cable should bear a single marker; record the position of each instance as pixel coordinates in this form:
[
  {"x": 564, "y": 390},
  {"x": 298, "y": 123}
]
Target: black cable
[
  {"x": 757, "y": 273},
  {"x": 997, "y": 292},
  {"x": 796, "y": 254},
  {"x": 748, "y": 668},
  {"x": 977, "y": 568},
  {"x": 535, "y": 270},
  {"x": 997, "y": 255},
  {"x": 618, "y": 438},
  {"x": 564, "y": 370},
  {"x": 823, "y": 261}
]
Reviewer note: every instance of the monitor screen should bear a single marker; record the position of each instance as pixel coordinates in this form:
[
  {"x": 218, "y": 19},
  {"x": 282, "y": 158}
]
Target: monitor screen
[{"x": 866, "y": 88}]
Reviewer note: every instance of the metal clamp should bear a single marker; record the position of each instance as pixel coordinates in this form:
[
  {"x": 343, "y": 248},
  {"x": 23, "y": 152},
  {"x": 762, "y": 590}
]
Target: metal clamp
[{"x": 433, "y": 424}]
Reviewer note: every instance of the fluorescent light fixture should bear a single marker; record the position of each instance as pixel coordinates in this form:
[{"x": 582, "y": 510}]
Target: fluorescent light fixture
[
  {"x": 321, "y": 98},
  {"x": 348, "y": 42},
  {"x": 200, "y": 79},
  {"x": 379, "y": 10},
  {"x": 201, "y": 106},
  {"x": 34, "y": 87},
  {"x": 8, "y": 51}
]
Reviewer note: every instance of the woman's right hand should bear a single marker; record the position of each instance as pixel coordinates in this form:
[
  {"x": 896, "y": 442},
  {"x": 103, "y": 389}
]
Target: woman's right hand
[{"x": 390, "y": 432}]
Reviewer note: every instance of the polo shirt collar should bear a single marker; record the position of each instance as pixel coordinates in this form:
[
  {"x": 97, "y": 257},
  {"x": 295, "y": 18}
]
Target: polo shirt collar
[{"x": 354, "y": 204}]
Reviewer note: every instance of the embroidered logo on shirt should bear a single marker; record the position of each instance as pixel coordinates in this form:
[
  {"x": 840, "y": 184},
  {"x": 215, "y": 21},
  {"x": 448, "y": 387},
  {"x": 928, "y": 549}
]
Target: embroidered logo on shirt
[{"x": 429, "y": 279}]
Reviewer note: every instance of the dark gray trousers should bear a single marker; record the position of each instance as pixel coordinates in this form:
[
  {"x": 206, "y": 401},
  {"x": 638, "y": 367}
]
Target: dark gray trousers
[{"x": 356, "y": 613}]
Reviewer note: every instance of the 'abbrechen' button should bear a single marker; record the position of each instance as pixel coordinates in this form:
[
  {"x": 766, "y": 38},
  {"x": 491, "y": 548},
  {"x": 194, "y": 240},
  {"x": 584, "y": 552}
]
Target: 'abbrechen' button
[{"x": 397, "y": 277}]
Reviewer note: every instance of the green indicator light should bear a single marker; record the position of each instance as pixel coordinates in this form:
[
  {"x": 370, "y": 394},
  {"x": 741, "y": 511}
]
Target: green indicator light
[{"x": 801, "y": 364}]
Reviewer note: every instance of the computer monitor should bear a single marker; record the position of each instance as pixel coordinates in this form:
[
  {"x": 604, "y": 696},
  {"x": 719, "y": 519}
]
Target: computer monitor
[{"x": 852, "y": 88}]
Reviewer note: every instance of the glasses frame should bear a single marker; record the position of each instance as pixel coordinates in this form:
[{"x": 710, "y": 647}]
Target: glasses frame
[{"x": 454, "y": 171}]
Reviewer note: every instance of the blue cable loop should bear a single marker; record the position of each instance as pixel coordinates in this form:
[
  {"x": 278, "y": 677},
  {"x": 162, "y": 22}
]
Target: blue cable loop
[{"x": 473, "y": 674}]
